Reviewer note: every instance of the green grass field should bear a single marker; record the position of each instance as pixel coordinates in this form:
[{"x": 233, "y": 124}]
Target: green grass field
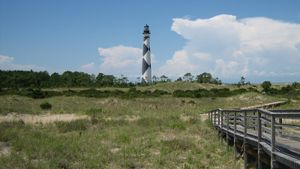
[
  {"x": 169, "y": 87},
  {"x": 163, "y": 132}
]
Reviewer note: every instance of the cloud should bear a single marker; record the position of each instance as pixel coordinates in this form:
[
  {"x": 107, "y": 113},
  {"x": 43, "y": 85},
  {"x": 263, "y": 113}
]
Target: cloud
[
  {"x": 89, "y": 67},
  {"x": 121, "y": 59},
  {"x": 180, "y": 62},
  {"x": 230, "y": 47},
  {"x": 7, "y": 63},
  {"x": 5, "y": 59}
]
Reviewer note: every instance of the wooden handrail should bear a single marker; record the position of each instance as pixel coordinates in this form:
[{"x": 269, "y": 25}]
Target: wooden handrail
[{"x": 257, "y": 121}]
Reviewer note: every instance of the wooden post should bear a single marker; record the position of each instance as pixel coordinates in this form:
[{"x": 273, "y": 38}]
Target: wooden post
[
  {"x": 209, "y": 116},
  {"x": 234, "y": 139},
  {"x": 273, "y": 141},
  {"x": 219, "y": 118},
  {"x": 259, "y": 140},
  {"x": 227, "y": 127},
  {"x": 280, "y": 128},
  {"x": 244, "y": 139},
  {"x": 219, "y": 122},
  {"x": 215, "y": 115},
  {"x": 222, "y": 120}
]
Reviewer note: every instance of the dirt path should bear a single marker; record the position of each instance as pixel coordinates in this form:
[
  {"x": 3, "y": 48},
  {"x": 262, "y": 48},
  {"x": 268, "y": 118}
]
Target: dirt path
[{"x": 44, "y": 118}]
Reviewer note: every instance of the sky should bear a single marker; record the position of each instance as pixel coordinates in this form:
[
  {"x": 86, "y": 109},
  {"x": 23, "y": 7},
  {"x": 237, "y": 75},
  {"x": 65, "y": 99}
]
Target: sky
[{"x": 257, "y": 39}]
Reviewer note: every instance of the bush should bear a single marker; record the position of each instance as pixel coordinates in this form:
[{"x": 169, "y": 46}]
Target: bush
[
  {"x": 224, "y": 92},
  {"x": 92, "y": 93},
  {"x": 157, "y": 93},
  {"x": 266, "y": 85},
  {"x": 45, "y": 106},
  {"x": 35, "y": 93}
]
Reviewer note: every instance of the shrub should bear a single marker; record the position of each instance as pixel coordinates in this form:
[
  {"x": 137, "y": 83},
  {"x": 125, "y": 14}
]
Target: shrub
[
  {"x": 296, "y": 85},
  {"x": 35, "y": 93},
  {"x": 266, "y": 85},
  {"x": 91, "y": 93},
  {"x": 224, "y": 92},
  {"x": 45, "y": 106},
  {"x": 158, "y": 93}
]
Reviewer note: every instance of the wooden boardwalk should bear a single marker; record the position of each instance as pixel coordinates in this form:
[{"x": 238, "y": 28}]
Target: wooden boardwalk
[{"x": 266, "y": 138}]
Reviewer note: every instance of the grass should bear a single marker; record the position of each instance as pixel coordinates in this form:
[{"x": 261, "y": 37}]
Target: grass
[
  {"x": 163, "y": 132},
  {"x": 172, "y": 86},
  {"x": 168, "y": 86},
  {"x": 115, "y": 145},
  {"x": 116, "y": 106}
]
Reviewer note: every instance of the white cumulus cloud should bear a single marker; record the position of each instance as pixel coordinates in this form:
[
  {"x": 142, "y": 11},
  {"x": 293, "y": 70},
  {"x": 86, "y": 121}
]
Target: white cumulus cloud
[
  {"x": 89, "y": 67},
  {"x": 5, "y": 59},
  {"x": 230, "y": 47},
  {"x": 121, "y": 59},
  {"x": 7, "y": 63}
]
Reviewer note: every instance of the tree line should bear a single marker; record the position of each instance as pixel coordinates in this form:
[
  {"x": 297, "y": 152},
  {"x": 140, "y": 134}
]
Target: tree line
[
  {"x": 29, "y": 83},
  {"x": 42, "y": 79}
]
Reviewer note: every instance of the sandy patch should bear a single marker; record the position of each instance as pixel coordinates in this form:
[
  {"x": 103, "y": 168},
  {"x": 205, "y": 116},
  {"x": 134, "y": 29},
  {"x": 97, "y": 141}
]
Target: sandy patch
[
  {"x": 185, "y": 118},
  {"x": 5, "y": 149},
  {"x": 204, "y": 116},
  {"x": 115, "y": 150},
  {"x": 44, "y": 118},
  {"x": 108, "y": 101},
  {"x": 155, "y": 152},
  {"x": 129, "y": 118},
  {"x": 167, "y": 136}
]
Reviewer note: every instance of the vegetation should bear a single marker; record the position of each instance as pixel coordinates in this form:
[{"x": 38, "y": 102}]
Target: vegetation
[
  {"x": 31, "y": 79},
  {"x": 224, "y": 92},
  {"x": 175, "y": 89},
  {"x": 290, "y": 91},
  {"x": 163, "y": 132},
  {"x": 243, "y": 82},
  {"x": 266, "y": 85},
  {"x": 45, "y": 106},
  {"x": 207, "y": 78},
  {"x": 140, "y": 126},
  {"x": 131, "y": 93},
  {"x": 114, "y": 106}
]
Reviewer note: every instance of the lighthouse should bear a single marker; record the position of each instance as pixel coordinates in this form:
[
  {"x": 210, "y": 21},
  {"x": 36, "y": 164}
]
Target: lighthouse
[{"x": 146, "y": 62}]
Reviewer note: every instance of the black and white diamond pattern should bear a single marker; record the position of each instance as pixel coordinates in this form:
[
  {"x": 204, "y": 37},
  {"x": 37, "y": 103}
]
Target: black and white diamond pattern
[{"x": 146, "y": 63}]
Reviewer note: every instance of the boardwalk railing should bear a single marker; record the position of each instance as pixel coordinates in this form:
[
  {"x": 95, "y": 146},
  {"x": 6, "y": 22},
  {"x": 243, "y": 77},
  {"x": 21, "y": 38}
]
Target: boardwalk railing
[{"x": 271, "y": 137}]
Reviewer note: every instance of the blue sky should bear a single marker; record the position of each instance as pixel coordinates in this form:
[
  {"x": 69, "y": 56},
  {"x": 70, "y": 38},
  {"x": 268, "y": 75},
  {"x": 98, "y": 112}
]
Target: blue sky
[{"x": 106, "y": 36}]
